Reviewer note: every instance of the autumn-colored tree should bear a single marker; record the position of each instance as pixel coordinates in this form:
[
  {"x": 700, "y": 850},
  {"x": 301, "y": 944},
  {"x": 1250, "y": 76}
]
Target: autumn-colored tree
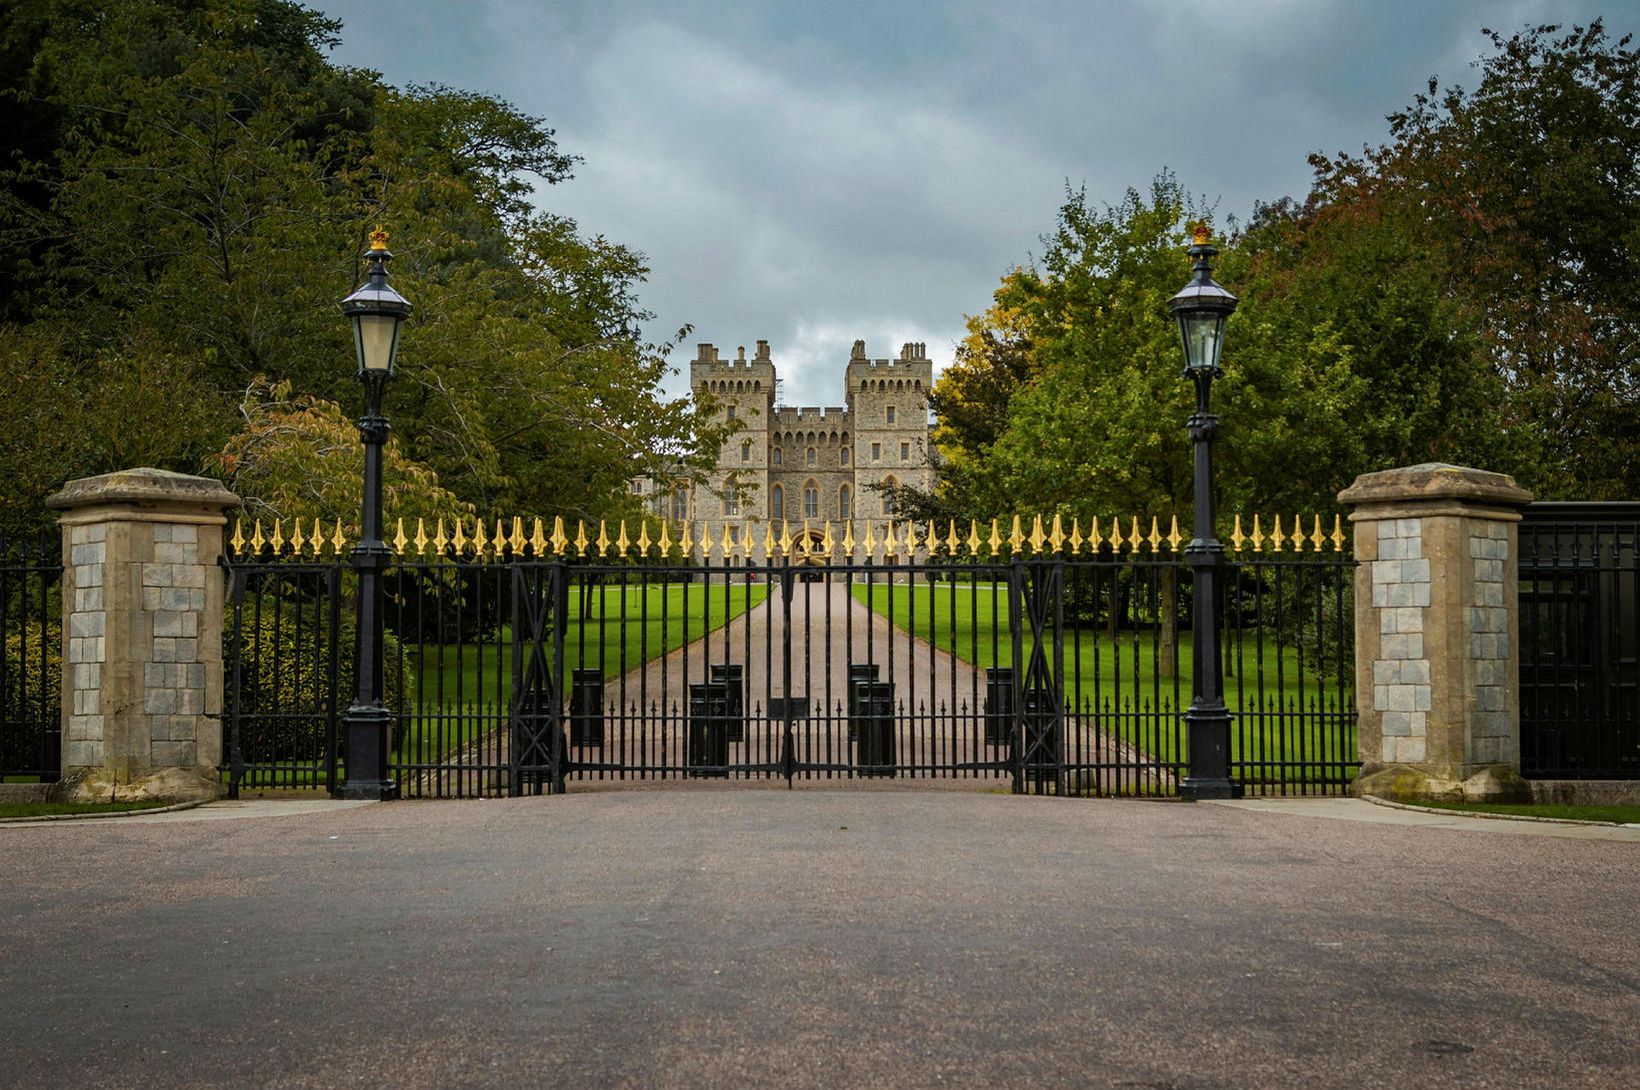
[
  {"x": 1521, "y": 200},
  {"x": 1458, "y": 294},
  {"x": 299, "y": 456},
  {"x": 1069, "y": 393}
]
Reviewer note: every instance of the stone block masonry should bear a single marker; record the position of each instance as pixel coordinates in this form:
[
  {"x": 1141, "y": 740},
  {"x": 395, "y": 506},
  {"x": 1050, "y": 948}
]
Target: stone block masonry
[
  {"x": 1400, "y": 676},
  {"x": 142, "y": 605},
  {"x": 1490, "y": 646},
  {"x": 1436, "y": 633}
]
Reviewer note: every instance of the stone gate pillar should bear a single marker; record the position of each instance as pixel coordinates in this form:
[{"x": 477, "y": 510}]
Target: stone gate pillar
[
  {"x": 1437, "y": 666},
  {"x": 142, "y": 634}
]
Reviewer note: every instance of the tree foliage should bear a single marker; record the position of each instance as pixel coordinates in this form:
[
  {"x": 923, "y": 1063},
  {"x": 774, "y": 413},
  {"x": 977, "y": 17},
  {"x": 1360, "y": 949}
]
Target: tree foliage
[
  {"x": 1458, "y": 294},
  {"x": 190, "y": 185}
]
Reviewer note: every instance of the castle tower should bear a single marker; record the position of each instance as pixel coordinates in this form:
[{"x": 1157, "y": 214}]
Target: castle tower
[
  {"x": 787, "y": 465},
  {"x": 743, "y": 390},
  {"x": 888, "y": 403}
]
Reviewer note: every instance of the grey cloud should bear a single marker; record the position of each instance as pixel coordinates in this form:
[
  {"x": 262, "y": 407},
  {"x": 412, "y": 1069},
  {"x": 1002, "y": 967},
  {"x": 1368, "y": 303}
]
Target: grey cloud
[{"x": 810, "y": 173}]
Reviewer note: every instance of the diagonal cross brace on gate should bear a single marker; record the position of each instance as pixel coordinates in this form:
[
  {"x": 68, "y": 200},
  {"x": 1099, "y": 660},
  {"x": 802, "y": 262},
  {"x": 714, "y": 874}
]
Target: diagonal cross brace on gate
[
  {"x": 1038, "y": 699},
  {"x": 540, "y": 614}
]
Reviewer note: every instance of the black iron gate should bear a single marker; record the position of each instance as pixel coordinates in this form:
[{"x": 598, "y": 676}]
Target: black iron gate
[
  {"x": 1580, "y": 641},
  {"x": 288, "y": 660},
  {"x": 1048, "y": 663},
  {"x": 536, "y": 748},
  {"x": 31, "y": 658}
]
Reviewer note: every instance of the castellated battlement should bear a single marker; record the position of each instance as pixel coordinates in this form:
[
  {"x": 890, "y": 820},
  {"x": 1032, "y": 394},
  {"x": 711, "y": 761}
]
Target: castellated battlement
[
  {"x": 788, "y": 416},
  {"x": 814, "y": 461},
  {"x": 911, "y": 368},
  {"x": 707, "y": 352},
  {"x": 710, "y": 366}
]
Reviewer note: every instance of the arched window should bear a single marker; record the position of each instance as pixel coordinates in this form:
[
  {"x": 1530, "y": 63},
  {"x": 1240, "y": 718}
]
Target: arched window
[
  {"x": 811, "y": 456},
  {"x": 776, "y": 455},
  {"x": 811, "y": 501},
  {"x": 844, "y": 453},
  {"x": 731, "y": 499},
  {"x": 746, "y": 450},
  {"x": 845, "y": 502},
  {"x": 777, "y": 503},
  {"x": 680, "y": 505}
]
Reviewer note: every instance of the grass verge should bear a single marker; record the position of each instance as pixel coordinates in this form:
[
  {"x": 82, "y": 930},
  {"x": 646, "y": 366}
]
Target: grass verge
[
  {"x": 1276, "y": 732},
  {"x": 1617, "y": 815},
  {"x": 462, "y": 692}
]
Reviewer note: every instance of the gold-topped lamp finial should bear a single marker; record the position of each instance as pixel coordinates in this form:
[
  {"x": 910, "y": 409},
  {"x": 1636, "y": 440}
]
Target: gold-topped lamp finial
[
  {"x": 1200, "y": 235},
  {"x": 378, "y": 239}
]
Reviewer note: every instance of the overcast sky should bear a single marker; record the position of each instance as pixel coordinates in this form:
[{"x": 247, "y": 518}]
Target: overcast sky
[{"x": 813, "y": 172}]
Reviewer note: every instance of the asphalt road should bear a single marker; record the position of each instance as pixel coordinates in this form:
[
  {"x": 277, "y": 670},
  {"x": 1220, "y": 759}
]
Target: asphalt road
[{"x": 748, "y": 937}]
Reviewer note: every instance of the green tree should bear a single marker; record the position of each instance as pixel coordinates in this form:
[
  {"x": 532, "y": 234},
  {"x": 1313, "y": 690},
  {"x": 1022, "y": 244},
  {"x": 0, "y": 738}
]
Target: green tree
[
  {"x": 198, "y": 178},
  {"x": 1523, "y": 198},
  {"x": 1070, "y": 395}
]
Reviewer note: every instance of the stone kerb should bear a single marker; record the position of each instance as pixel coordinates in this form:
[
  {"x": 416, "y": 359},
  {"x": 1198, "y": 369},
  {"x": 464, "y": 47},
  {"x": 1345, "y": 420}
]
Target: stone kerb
[
  {"x": 142, "y": 630},
  {"x": 1436, "y": 633}
]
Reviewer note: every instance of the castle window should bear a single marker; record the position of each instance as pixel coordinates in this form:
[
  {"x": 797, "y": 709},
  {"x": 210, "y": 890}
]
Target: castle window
[
  {"x": 891, "y": 414},
  {"x": 845, "y": 502},
  {"x": 845, "y": 455},
  {"x": 746, "y": 451},
  {"x": 731, "y": 415},
  {"x": 889, "y": 484},
  {"x": 680, "y": 505},
  {"x": 811, "y": 501},
  {"x": 905, "y": 452},
  {"x": 734, "y": 535},
  {"x": 637, "y": 488},
  {"x": 777, "y": 503},
  {"x": 776, "y": 455},
  {"x": 876, "y": 452},
  {"x": 731, "y": 501},
  {"x": 811, "y": 456}
]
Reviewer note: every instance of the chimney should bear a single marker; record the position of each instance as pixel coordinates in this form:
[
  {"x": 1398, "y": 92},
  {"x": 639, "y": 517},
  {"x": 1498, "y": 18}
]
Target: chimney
[
  {"x": 859, "y": 351},
  {"x": 740, "y": 354},
  {"x": 763, "y": 350}
]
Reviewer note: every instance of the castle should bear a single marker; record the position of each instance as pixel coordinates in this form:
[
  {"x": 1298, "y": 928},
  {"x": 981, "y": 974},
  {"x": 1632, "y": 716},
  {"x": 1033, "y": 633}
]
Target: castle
[{"x": 790, "y": 465}]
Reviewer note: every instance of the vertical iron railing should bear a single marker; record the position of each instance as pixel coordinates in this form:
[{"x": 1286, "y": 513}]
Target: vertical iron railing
[
  {"x": 31, "y": 658},
  {"x": 1055, "y": 671},
  {"x": 1289, "y": 672},
  {"x": 1579, "y": 596},
  {"x": 287, "y": 659}
]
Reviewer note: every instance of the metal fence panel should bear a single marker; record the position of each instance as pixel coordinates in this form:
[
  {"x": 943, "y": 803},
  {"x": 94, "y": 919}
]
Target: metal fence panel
[
  {"x": 1580, "y": 641},
  {"x": 31, "y": 658},
  {"x": 1045, "y": 673}
]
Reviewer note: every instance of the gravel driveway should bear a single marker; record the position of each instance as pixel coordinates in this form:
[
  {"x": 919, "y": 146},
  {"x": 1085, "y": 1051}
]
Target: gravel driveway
[{"x": 824, "y": 938}]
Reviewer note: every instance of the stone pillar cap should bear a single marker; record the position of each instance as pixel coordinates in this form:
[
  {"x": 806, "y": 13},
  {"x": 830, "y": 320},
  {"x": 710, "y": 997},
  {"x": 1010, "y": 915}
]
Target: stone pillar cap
[
  {"x": 1436, "y": 481},
  {"x": 144, "y": 487}
]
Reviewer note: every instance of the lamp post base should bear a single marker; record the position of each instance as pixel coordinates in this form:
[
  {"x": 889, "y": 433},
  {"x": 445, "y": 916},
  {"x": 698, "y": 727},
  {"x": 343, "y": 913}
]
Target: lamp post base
[
  {"x": 1205, "y": 789},
  {"x": 369, "y": 790},
  {"x": 366, "y": 727},
  {"x": 1208, "y": 725}
]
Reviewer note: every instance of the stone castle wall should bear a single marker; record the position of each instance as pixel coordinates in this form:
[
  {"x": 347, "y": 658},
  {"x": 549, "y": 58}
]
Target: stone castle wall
[{"x": 815, "y": 462}]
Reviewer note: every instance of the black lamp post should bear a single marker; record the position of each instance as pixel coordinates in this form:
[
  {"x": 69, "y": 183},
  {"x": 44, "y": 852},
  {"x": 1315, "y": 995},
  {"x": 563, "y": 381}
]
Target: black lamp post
[
  {"x": 377, "y": 312},
  {"x": 1201, "y": 308}
]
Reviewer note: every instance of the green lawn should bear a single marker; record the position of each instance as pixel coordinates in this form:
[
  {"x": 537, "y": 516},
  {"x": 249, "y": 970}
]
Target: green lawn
[
  {"x": 470, "y": 685},
  {"x": 1121, "y": 675},
  {"x": 1619, "y": 815}
]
